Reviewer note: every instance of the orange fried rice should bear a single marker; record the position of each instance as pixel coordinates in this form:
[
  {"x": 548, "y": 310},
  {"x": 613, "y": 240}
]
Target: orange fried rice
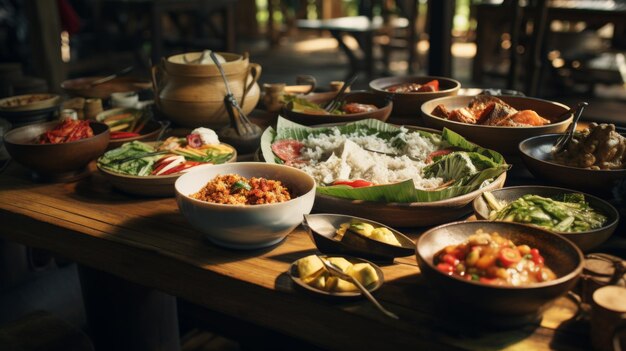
[{"x": 233, "y": 189}]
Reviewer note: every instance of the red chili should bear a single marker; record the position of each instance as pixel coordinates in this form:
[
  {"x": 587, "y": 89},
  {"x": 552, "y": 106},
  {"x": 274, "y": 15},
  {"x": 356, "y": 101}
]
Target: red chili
[
  {"x": 123, "y": 135},
  {"x": 359, "y": 183},
  {"x": 537, "y": 258},
  {"x": 181, "y": 167}
]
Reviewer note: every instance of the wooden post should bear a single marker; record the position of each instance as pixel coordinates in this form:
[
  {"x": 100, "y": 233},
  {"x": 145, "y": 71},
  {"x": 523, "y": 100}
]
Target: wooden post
[{"x": 441, "y": 14}]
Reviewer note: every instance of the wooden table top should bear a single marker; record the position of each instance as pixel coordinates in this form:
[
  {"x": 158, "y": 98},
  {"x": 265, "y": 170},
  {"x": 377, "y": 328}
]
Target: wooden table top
[{"x": 148, "y": 242}]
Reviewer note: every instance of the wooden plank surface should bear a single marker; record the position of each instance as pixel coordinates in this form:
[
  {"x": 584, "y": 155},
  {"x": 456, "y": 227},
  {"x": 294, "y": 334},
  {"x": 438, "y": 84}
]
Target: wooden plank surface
[{"x": 148, "y": 242}]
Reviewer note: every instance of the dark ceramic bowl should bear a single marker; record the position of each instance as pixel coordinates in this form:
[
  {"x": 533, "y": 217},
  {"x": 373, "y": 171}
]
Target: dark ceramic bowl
[
  {"x": 382, "y": 113},
  {"x": 149, "y": 132},
  {"x": 322, "y": 230},
  {"x": 501, "y": 139},
  {"x": 561, "y": 255},
  {"x": 586, "y": 240},
  {"x": 536, "y": 154},
  {"x": 56, "y": 162},
  {"x": 408, "y": 104}
]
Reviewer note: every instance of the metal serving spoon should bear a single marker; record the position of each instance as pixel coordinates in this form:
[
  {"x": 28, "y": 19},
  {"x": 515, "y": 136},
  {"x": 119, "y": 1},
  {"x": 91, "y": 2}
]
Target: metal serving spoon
[
  {"x": 334, "y": 270},
  {"x": 564, "y": 139},
  {"x": 332, "y": 104}
]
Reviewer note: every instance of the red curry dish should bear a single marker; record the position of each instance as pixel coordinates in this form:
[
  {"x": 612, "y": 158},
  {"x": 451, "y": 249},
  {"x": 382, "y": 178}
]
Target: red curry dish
[
  {"x": 491, "y": 259},
  {"x": 490, "y": 111}
]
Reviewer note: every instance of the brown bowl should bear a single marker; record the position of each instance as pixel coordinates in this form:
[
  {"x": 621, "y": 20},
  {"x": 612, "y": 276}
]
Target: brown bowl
[
  {"x": 537, "y": 156},
  {"x": 322, "y": 230},
  {"x": 501, "y": 139},
  {"x": 382, "y": 113},
  {"x": 47, "y": 101},
  {"x": 482, "y": 300},
  {"x": 586, "y": 240},
  {"x": 82, "y": 86},
  {"x": 149, "y": 132},
  {"x": 55, "y": 162},
  {"x": 151, "y": 185},
  {"x": 408, "y": 104}
]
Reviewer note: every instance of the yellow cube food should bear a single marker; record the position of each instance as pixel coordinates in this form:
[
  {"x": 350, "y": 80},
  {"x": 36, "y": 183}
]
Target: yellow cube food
[
  {"x": 308, "y": 266},
  {"x": 364, "y": 273}
]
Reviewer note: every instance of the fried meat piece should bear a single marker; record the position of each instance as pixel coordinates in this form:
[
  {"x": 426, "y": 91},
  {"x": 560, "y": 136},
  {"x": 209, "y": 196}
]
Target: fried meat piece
[
  {"x": 464, "y": 115},
  {"x": 441, "y": 111}
]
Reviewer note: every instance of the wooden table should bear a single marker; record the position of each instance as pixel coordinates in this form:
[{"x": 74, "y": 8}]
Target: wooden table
[{"x": 147, "y": 242}]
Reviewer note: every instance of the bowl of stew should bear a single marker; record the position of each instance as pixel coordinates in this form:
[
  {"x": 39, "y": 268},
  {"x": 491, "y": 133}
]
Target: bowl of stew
[
  {"x": 309, "y": 109},
  {"x": 409, "y": 93},
  {"x": 498, "y": 268}
]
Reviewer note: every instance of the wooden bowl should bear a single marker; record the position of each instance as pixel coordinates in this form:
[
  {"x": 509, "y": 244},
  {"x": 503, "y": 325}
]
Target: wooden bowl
[
  {"x": 502, "y": 139},
  {"x": 82, "y": 86},
  {"x": 408, "y": 104},
  {"x": 537, "y": 156},
  {"x": 586, "y": 240},
  {"x": 322, "y": 230},
  {"x": 150, "y": 186},
  {"x": 149, "y": 132},
  {"x": 55, "y": 162},
  {"x": 382, "y": 113},
  {"x": 413, "y": 214},
  {"x": 484, "y": 300},
  {"x": 293, "y": 273}
]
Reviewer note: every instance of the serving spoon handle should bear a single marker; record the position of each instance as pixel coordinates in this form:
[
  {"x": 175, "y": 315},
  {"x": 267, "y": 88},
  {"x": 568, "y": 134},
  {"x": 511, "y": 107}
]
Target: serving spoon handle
[{"x": 564, "y": 139}]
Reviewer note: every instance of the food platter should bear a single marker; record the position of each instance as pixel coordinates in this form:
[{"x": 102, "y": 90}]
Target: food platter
[
  {"x": 433, "y": 208},
  {"x": 146, "y": 130},
  {"x": 500, "y": 138}
]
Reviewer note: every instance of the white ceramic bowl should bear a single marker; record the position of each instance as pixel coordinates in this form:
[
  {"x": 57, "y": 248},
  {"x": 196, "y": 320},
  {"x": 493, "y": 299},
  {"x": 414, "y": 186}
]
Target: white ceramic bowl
[{"x": 252, "y": 226}]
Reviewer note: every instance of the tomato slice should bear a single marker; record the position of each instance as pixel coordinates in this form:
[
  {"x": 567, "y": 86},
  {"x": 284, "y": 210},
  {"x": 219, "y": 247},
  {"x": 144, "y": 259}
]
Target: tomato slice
[
  {"x": 359, "y": 183},
  {"x": 433, "y": 83},
  {"x": 509, "y": 256},
  {"x": 287, "y": 149}
]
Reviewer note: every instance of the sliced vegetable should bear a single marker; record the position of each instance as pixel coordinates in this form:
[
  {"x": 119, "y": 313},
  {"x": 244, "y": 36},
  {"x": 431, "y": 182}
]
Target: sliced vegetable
[
  {"x": 358, "y": 183},
  {"x": 123, "y": 135}
]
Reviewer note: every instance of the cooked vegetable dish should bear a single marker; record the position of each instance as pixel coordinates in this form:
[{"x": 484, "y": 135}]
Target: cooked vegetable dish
[
  {"x": 127, "y": 124},
  {"x": 381, "y": 234},
  {"x": 571, "y": 213},
  {"x": 25, "y": 100},
  {"x": 492, "y": 259},
  {"x": 490, "y": 111},
  {"x": 597, "y": 147},
  {"x": 233, "y": 189},
  {"x": 312, "y": 272},
  {"x": 67, "y": 131},
  {"x": 431, "y": 86},
  {"x": 304, "y": 106}
]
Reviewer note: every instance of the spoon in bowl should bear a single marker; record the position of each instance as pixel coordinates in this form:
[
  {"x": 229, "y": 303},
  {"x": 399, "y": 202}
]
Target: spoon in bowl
[{"x": 564, "y": 139}]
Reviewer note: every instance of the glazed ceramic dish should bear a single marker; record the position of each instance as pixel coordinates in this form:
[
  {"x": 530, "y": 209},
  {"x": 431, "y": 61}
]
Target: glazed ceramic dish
[
  {"x": 295, "y": 277},
  {"x": 408, "y": 104},
  {"x": 35, "y": 112},
  {"x": 55, "y": 162},
  {"x": 502, "y": 139},
  {"x": 586, "y": 240},
  {"x": 382, "y": 113},
  {"x": 150, "y": 186},
  {"x": 249, "y": 226},
  {"x": 485, "y": 300},
  {"x": 322, "y": 229}
]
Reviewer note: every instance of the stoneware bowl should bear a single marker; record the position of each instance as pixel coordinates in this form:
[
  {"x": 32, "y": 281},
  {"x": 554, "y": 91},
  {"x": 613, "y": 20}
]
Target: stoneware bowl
[
  {"x": 502, "y": 139},
  {"x": 150, "y": 185},
  {"x": 35, "y": 112},
  {"x": 586, "y": 240},
  {"x": 322, "y": 229},
  {"x": 537, "y": 156},
  {"x": 408, "y": 104},
  {"x": 55, "y": 162},
  {"x": 484, "y": 300},
  {"x": 149, "y": 132},
  {"x": 382, "y": 113},
  {"x": 250, "y": 226}
]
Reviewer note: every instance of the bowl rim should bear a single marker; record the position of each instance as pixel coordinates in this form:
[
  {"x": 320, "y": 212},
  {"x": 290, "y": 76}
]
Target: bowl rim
[
  {"x": 54, "y": 123},
  {"x": 457, "y": 85},
  {"x": 565, "y": 278},
  {"x": 51, "y": 102},
  {"x": 444, "y": 98},
  {"x": 154, "y": 177},
  {"x": 606, "y": 203},
  {"x": 387, "y": 106},
  {"x": 554, "y": 164},
  {"x": 236, "y": 164},
  {"x": 351, "y": 259}
]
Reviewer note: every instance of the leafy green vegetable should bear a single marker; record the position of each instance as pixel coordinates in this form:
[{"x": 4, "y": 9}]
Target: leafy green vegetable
[
  {"x": 573, "y": 214},
  {"x": 240, "y": 184},
  {"x": 487, "y": 163}
]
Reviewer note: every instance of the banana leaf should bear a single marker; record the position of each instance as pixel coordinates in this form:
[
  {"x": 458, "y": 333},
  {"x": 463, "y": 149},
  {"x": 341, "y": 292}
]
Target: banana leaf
[{"x": 488, "y": 163}]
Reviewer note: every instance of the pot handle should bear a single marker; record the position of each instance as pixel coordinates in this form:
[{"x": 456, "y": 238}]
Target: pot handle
[
  {"x": 156, "y": 73},
  {"x": 254, "y": 70}
]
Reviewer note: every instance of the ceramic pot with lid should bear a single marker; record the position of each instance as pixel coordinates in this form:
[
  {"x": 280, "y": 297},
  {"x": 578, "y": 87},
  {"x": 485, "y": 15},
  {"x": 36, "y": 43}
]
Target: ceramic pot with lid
[{"x": 192, "y": 94}]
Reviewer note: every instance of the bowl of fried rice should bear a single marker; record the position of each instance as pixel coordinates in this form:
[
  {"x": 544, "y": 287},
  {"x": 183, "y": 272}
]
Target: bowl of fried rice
[{"x": 247, "y": 205}]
